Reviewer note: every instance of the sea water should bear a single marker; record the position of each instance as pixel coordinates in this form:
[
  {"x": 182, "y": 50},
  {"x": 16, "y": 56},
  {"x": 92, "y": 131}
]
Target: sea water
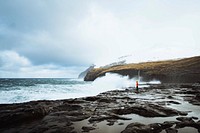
[
  {"x": 28, "y": 89},
  {"x": 18, "y": 90}
]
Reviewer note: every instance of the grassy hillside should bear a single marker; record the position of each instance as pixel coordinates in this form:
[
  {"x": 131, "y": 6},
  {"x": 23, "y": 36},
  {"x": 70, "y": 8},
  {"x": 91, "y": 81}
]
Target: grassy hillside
[{"x": 182, "y": 70}]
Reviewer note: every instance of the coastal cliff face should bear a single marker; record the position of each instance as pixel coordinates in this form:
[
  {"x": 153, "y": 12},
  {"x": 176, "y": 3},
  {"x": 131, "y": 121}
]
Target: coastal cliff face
[
  {"x": 171, "y": 71},
  {"x": 83, "y": 74}
]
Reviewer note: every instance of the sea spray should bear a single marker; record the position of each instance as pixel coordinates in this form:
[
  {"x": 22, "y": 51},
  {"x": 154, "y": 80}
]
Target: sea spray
[{"x": 24, "y": 90}]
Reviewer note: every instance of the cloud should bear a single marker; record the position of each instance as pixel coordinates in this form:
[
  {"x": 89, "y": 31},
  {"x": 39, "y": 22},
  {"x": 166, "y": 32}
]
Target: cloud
[
  {"x": 70, "y": 34},
  {"x": 14, "y": 65},
  {"x": 10, "y": 60},
  {"x": 148, "y": 33}
]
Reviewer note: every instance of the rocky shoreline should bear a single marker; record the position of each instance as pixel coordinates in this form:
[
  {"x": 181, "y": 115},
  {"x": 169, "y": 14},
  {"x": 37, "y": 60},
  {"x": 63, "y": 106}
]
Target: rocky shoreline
[{"x": 164, "y": 108}]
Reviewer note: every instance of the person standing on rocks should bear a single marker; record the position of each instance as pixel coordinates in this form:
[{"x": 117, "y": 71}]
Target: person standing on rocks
[
  {"x": 137, "y": 85},
  {"x": 137, "y": 81}
]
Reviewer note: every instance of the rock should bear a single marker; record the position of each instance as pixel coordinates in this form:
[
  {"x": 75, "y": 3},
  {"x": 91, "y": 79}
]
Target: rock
[
  {"x": 136, "y": 128},
  {"x": 195, "y": 118},
  {"x": 168, "y": 124},
  {"x": 87, "y": 128},
  {"x": 99, "y": 118},
  {"x": 106, "y": 100},
  {"x": 59, "y": 124},
  {"x": 111, "y": 122},
  {"x": 84, "y": 73},
  {"x": 187, "y": 122},
  {"x": 73, "y": 115},
  {"x": 67, "y": 107},
  {"x": 59, "y": 115},
  {"x": 148, "y": 110},
  {"x": 174, "y": 102},
  {"x": 141, "y": 128},
  {"x": 121, "y": 123},
  {"x": 156, "y": 127},
  {"x": 171, "y": 130},
  {"x": 185, "y": 119},
  {"x": 183, "y": 71},
  {"x": 94, "y": 98},
  {"x": 170, "y": 97},
  {"x": 22, "y": 115}
]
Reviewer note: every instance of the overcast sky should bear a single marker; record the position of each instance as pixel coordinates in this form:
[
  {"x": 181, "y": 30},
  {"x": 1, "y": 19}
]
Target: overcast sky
[{"x": 60, "y": 38}]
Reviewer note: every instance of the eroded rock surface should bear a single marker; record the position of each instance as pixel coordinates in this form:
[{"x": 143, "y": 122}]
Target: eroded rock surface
[{"x": 110, "y": 107}]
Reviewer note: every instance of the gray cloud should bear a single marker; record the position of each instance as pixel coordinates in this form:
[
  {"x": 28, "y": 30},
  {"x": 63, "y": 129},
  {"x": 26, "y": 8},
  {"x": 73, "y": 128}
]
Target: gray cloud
[
  {"x": 38, "y": 29},
  {"x": 66, "y": 34}
]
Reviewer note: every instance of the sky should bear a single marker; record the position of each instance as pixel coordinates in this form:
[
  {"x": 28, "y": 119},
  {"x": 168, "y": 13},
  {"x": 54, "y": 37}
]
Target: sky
[{"x": 61, "y": 38}]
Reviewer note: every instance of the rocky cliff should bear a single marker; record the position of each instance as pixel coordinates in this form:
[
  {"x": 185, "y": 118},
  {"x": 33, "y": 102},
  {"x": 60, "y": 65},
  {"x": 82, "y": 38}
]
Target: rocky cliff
[
  {"x": 84, "y": 73},
  {"x": 170, "y": 71}
]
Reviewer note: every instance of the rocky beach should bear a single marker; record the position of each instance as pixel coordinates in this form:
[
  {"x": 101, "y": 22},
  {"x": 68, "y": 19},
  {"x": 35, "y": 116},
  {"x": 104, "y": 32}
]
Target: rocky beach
[
  {"x": 99, "y": 66},
  {"x": 163, "y": 108}
]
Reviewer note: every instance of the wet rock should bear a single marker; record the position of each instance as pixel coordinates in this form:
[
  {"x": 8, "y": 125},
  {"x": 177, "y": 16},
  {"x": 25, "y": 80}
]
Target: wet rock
[
  {"x": 156, "y": 127},
  {"x": 161, "y": 103},
  {"x": 186, "y": 86},
  {"x": 171, "y": 130},
  {"x": 99, "y": 118},
  {"x": 148, "y": 110},
  {"x": 87, "y": 128},
  {"x": 53, "y": 124},
  {"x": 183, "y": 113},
  {"x": 194, "y": 118},
  {"x": 73, "y": 115},
  {"x": 94, "y": 98},
  {"x": 106, "y": 100},
  {"x": 22, "y": 115},
  {"x": 141, "y": 128},
  {"x": 174, "y": 102},
  {"x": 67, "y": 107},
  {"x": 136, "y": 128},
  {"x": 59, "y": 115},
  {"x": 111, "y": 122},
  {"x": 121, "y": 123},
  {"x": 168, "y": 124},
  {"x": 107, "y": 117},
  {"x": 185, "y": 119},
  {"x": 170, "y": 97},
  {"x": 187, "y": 122}
]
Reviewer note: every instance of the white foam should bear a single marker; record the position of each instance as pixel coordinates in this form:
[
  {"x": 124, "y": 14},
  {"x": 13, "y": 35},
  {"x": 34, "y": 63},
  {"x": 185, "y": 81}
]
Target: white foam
[{"x": 65, "y": 91}]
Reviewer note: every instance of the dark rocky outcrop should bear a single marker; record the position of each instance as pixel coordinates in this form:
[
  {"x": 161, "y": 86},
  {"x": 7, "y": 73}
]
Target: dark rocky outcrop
[
  {"x": 108, "y": 107},
  {"x": 171, "y": 71},
  {"x": 87, "y": 128},
  {"x": 148, "y": 110},
  {"x": 158, "y": 127}
]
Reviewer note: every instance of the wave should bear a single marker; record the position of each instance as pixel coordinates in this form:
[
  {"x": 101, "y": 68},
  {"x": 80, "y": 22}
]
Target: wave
[{"x": 54, "y": 89}]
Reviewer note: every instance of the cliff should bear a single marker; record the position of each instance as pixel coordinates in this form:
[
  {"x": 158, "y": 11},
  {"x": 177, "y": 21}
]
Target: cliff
[
  {"x": 84, "y": 73},
  {"x": 185, "y": 70}
]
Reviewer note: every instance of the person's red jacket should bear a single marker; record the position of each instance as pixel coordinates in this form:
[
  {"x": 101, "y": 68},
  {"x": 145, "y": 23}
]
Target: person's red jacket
[{"x": 136, "y": 83}]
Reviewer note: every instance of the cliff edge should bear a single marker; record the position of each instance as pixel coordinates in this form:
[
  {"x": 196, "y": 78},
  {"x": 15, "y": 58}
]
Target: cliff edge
[{"x": 185, "y": 70}]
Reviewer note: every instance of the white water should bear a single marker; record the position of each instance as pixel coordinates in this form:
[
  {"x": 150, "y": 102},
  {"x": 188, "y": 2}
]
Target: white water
[{"x": 48, "y": 91}]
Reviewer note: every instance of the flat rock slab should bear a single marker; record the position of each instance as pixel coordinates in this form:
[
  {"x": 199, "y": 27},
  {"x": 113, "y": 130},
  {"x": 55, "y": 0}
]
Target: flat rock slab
[
  {"x": 158, "y": 127},
  {"x": 109, "y": 107}
]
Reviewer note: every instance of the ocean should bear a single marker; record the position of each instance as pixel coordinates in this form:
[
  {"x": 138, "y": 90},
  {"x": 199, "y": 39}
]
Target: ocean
[{"x": 18, "y": 90}]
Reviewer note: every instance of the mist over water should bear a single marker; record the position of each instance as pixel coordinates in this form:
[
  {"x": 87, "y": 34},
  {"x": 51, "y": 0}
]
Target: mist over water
[{"x": 24, "y": 90}]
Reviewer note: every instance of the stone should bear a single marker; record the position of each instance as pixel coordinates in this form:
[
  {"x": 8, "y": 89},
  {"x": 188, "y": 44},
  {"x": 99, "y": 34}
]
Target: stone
[
  {"x": 87, "y": 128},
  {"x": 171, "y": 130},
  {"x": 185, "y": 119}
]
